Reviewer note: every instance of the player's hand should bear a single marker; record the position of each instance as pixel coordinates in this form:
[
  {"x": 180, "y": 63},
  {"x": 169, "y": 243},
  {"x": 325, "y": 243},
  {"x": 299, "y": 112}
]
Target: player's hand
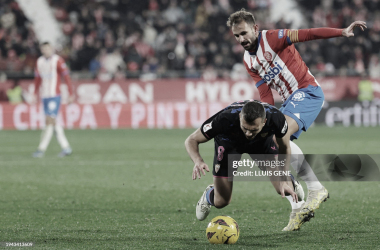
[
  {"x": 33, "y": 100},
  {"x": 285, "y": 189},
  {"x": 349, "y": 31},
  {"x": 70, "y": 100},
  {"x": 198, "y": 168}
]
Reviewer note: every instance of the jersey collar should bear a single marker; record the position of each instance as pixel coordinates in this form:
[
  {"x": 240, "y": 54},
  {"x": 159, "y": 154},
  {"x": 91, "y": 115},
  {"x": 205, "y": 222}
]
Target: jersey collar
[{"x": 257, "y": 46}]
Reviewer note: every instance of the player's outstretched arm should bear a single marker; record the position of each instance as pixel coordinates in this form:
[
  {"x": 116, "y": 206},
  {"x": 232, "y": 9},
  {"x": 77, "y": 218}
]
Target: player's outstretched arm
[
  {"x": 349, "y": 31},
  {"x": 192, "y": 146},
  {"x": 303, "y": 35}
]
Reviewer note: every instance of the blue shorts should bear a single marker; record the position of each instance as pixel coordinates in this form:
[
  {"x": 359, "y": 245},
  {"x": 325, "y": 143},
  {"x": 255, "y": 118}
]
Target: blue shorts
[
  {"x": 51, "y": 105},
  {"x": 303, "y": 106}
]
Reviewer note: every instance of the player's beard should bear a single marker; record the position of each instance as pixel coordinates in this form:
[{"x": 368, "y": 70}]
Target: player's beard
[{"x": 249, "y": 45}]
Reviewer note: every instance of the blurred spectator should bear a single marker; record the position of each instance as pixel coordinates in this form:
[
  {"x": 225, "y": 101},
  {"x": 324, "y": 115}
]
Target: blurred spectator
[
  {"x": 365, "y": 88},
  {"x": 112, "y": 62},
  {"x": 374, "y": 67},
  {"x": 15, "y": 93}
]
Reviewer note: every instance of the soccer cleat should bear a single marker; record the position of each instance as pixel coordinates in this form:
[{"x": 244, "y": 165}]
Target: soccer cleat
[
  {"x": 314, "y": 199},
  {"x": 203, "y": 208},
  {"x": 297, "y": 219},
  {"x": 38, "y": 154},
  {"x": 65, "y": 152},
  {"x": 298, "y": 188}
]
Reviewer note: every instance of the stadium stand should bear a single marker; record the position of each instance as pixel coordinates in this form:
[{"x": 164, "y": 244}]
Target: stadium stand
[{"x": 167, "y": 38}]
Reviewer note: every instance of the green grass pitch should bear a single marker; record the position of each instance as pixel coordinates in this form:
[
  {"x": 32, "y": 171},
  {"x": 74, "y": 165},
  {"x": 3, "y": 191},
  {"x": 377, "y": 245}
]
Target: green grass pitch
[{"x": 132, "y": 189}]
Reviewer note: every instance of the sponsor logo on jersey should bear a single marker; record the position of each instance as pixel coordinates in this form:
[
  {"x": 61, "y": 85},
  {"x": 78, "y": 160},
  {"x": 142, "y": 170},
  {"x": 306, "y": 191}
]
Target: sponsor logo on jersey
[
  {"x": 280, "y": 34},
  {"x": 268, "y": 56},
  {"x": 207, "y": 127},
  {"x": 285, "y": 128},
  {"x": 272, "y": 72},
  {"x": 217, "y": 167},
  {"x": 299, "y": 96}
]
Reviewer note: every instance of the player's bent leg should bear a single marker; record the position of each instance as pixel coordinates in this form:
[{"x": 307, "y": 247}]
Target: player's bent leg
[
  {"x": 297, "y": 219},
  {"x": 222, "y": 192},
  {"x": 317, "y": 193},
  {"x": 218, "y": 195}
]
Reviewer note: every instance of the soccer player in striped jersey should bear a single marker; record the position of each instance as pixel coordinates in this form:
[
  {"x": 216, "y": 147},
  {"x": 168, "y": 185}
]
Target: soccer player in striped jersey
[
  {"x": 48, "y": 72},
  {"x": 274, "y": 63}
]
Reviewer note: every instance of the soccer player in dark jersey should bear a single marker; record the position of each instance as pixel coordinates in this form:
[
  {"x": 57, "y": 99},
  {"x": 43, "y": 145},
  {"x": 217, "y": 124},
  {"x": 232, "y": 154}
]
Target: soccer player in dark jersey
[
  {"x": 242, "y": 127},
  {"x": 274, "y": 63}
]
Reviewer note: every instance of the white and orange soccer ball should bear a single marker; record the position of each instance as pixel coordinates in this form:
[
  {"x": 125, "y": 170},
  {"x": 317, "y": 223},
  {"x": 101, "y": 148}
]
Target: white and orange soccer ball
[{"x": 222, "y": 230}]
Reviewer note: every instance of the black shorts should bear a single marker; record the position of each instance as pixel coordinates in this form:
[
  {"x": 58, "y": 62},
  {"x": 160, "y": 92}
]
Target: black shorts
[{"x": 226, "y": 152}]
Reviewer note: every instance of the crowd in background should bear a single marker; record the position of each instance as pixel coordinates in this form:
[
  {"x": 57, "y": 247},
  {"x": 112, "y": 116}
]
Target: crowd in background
[{"x": 187, "y": 38}]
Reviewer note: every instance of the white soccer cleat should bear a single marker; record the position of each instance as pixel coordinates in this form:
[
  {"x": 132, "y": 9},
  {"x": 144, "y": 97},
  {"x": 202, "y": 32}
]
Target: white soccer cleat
[
  {"x": 314, "y": 199},
  {"x": 297, "y": 219},
  {"x": 203, "y": 208}
]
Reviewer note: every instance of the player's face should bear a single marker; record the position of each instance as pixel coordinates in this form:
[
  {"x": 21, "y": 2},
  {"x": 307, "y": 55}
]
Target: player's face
[
  {"x": 246, "y": 35},
  {"x": 250, "y": 130},
  {"x": 46, "y": 50}
]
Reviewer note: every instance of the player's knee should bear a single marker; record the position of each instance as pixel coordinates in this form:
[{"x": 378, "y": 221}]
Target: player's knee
[{"x": 221, "y": 203}]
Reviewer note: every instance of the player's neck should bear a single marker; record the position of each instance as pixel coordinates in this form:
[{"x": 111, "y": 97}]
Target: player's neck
[{"x": 48, "y": 57}]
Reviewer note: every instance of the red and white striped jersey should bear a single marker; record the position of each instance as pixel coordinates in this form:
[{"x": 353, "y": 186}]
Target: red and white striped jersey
[
  {"x": 277, "y": 63},
  {"x": 48, "y": 74}
]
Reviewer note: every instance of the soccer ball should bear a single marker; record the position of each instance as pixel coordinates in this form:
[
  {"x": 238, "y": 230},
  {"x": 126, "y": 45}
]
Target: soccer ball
[{"x": 222, "y": 230}]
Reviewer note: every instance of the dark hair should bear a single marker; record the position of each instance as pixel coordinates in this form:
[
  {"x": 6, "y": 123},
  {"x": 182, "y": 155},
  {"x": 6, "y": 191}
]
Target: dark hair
[
  {"x": 45, "y": 43},
  {"x": 253, "y": 110},
  {"x": 240, "y": 16}
]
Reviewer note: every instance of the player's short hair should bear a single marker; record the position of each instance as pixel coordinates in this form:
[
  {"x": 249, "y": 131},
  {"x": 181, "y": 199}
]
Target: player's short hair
[
  {"x": 240, "y": 16},
  {"x": 253, "y": 110}
]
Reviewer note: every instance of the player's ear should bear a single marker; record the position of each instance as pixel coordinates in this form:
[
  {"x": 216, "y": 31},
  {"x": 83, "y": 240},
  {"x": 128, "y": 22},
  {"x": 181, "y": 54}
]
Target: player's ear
[
  {"x": 265, "y": 121},
  {"x": 256, "y": 29}
]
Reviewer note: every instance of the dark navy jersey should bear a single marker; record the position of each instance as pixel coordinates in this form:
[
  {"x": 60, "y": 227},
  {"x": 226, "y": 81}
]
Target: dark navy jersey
[{"x": 225, "y": 125}]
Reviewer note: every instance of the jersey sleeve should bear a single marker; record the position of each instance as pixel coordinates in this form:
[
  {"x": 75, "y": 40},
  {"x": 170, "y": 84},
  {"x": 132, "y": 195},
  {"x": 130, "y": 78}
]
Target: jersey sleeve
[
  {"x": 304, "y": 35},
  {"x": 64, "y": 71},
  {"x": 215, "y": 125},
  {"x": 280, "y": 124},
  {"x": 264, "y": 90},
  {"x": 278, "y": 39}
]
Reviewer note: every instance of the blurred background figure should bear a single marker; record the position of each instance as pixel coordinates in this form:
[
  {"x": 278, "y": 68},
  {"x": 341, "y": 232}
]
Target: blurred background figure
[
  {"x": 14, "y": 94},
  {"x": 49, "y": 69}
]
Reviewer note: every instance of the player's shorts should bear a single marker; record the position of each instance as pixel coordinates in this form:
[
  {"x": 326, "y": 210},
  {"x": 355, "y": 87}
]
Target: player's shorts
[
  {"x": 51, "y": 105},
  {"x": 303, "y": 106},
  {"x": 226, "y": 152}
]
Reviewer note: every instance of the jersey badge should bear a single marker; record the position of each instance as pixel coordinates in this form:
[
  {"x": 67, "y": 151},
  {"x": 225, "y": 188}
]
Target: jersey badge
[
  {"x": 217, "y": 167},
  {"x": 207, "y": 127},
  {"x": 299, "y": 96},
  {"x": 268, "y": 56}
]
